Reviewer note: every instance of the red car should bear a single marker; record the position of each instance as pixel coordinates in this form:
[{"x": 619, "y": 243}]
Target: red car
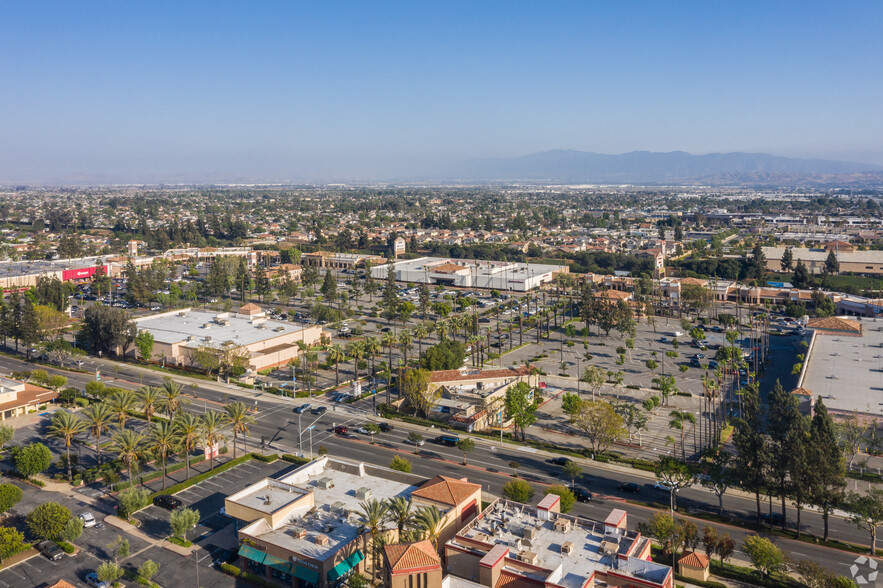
[{"x": 340, "y": 430}]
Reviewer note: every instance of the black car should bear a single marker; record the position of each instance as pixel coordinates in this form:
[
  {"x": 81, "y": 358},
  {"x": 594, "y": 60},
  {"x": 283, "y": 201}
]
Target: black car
[
  {"x": 385, "y": 427},
  {"x": 582, "y": 495},
  {"x": 629, "y": 487},
  {"x": 559, "y": 461},
  {"x": 773, "y": 518},
  {"x": 319, "y": 410},
  {"x": 50, "y": 549},
  {"x": 167, "y": 502}
]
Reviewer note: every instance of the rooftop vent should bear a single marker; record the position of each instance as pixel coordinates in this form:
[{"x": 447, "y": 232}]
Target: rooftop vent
[
  {"x": 320, "y": 540},
  {"x": 528, "y": 557},
  {"x": 279, "y": 329},
  {"x": 567, "y": 548},
  {"x": 207, "y": 326},
  {"x": 299, "y": 533},
  {"x": 562, "y": 525},
  {"x": 325, "y": 483},
  {"x": 182, "y": 314},
  {"x": 529, "y": 533},
  {"x": 363, "y": 493}
]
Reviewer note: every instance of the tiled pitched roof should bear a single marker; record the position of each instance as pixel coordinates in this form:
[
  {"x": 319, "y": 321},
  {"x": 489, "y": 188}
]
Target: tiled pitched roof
[
  {"x": 802, "y": 392},
  {"x": 446, "y": 268},
  {"x": 62, "y": 584},
  {"x": 444, "y": 490},
  {"x": 250, "y": 307},
  {"x": 694, "y": 560},
  {"x": 407, "y": 556},
  {"x": 452, "y": 375},
  {"x": 835, "y": 323},
  {"x": 510, "y": 580},
  {"x": 694, "y": 281},
  {"x": 613, "y": 294}
]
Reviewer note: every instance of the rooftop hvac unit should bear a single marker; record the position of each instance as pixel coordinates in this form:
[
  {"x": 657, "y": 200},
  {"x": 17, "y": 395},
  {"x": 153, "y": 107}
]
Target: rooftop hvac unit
[
  {"x": 278, "y": 329},
  {"x": 320, "y": 539},
  {"x": 207, "y": 326},
  {"x": 182, "y": 314},
  {"x": 325, "y": 483},
  {"x": 207, "y": 338},
  {"x": 529, "y": 533},
  {"x": 528, "y": 557},
  {"x": 298, "y": 533},
  {"x": 363, "y": 493},
  {"x": 567, "y": 548},
  {"x": 562, "y": 525}
]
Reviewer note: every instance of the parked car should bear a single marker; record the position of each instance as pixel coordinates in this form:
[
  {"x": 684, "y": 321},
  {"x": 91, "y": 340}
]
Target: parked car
[
  {"x": 93, "y": 581},
  {"x": 302, "y": 408},
  {"x": 629, "y": 487},
  {"x": 386, "y": 427},
  {"x": 772, "y": 518},
  {"x": 319, "y": 410},
  {"x": 88, "y": 520},
  {"x": 50, "y": 549},
  {"x": 340, "y": 430},
  {"x": 712, "y": 364},
  {"x": 418, "y": 443},
  {"x": 167, "y": 502},
  {"x": 582, "y": 495},
  {"x": 363, "y": 431},
  {"x": 663, "y": 486},
  {"x": 559, "y": 461}
]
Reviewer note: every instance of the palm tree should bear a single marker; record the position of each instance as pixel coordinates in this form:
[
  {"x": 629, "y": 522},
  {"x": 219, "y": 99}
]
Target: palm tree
[
  {"x": 442, "y": 328},
  {"x": 373, "y": 348},
  {"x": 455, "y": 322},
  {"x": 121, "y": 402},
  {"x": 211, "y": 431},
  {"x": 66, "y": 425},
  {"x": 173, "y": 397},
  {"x": 336, "y": 355},
  {"x": 429, "y": 520},
  {"x": 678, "y": 418},
  {"x": 98, "y": 417},
  {"x": 389, "y": 341},
  {"x": 128, "y": 445},
  {"x": 163, "y": 441},
  {"x": 405, "y": 339},
  {"x": 371, "y": 517},
  {"x": 149, "y": 398},
  {"x": 420, "y": 332},
  {"x": 356, "y": 350},
  {"x": 475, "y": 341},
  {"x": 399, "y": 513},
  {"x": 188, "y": 429},
  {"x": 239, "y": 416}
]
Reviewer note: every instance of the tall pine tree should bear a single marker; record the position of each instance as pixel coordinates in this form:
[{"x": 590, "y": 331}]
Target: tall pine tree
[
  {"x": 787, "y": 433},
  {"x": 752, "y": 449},
  {"x": 829, "y": 469}
]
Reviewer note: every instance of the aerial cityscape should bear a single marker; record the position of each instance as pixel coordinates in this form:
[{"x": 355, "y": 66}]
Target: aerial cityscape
[{"x": 460, "y": 295}]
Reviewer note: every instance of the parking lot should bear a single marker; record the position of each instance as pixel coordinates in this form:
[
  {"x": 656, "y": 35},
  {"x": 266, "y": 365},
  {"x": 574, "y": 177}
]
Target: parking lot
[{"x": 207, "y": 497}]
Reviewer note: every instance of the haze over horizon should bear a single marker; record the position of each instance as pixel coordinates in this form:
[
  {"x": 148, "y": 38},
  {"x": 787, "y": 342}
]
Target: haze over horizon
[{"x": 341, "y": 91}]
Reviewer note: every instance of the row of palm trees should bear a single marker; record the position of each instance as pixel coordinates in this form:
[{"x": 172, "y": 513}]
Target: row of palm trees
[
  {"x": 181, "y": 431},
  {"x": 411, "y": 524}
]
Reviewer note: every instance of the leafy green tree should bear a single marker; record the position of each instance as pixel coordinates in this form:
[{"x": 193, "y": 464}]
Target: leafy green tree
[
  {"x": 518, "y": 491},
  {"x": 764, "y": 555},
  {"x": 12, "y": 541},
  {"x": 144, "y": 344},
  {"x": 718, "y": 476},
  {"x": 329, "y": 288},
  {"x": 521, "y": 406},
  {"x": 72, "y": 530},
  {"x": 786, "y": 426},
  {"x": 147, "y": 570},
  {"x": 676, "y": 475},
  {"x": 107, "y": 329},
  {"x": 415, "y": 438},
  {"x": 32, "y": 459},
  {"x": 47, "y": 520},
  {"x": 400, "y": 464},
  {"x": 664, "y": 529},
  {"x": 7, "y": 432},
  {"x": 866, "y": 512},
  {"x": 131, "y": 500},
  {"x": 446, "y": 355},
  {"x": 567, "y": 497},
  {"x": 466, "y": 446},
  {"x": 10, "y": 495},
  {"x": 182, "y": 520},
  {"x": 414, "y": 386},
  {"x": 109, "y": 572},
  {"x": 598, "y": 421},
  {"x": 752, "y": 449},
  {"x": 573, "y": 471}
]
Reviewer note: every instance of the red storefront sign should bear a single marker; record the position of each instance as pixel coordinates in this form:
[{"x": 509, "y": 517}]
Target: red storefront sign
[{"x": 80, "y": 274}]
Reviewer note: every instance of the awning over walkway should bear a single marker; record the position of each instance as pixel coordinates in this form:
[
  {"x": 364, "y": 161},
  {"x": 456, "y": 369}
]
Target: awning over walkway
[
  {"x": 346, "y": 565},
  {"x": 253, "y": 554}
]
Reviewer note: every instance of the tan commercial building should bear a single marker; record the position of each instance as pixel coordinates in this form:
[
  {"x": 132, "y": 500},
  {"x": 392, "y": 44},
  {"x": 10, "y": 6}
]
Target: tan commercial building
[
  {"x": 179, "y": 334},
  {"x": 304, "y": 531},
  {"x": 18, "y": 398},
  {"x": 851, "y": 262}
]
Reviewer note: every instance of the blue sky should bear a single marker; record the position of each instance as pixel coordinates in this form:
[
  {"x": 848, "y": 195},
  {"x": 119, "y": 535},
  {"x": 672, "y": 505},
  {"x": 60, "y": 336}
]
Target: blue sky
[{"x": 323, "y": 90}]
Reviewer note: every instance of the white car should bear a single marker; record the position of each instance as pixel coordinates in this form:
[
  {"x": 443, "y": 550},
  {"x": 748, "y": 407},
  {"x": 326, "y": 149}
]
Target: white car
[
  {"x": 363, "y": 431},
  {"x": 418, "y": 443},
  {"x": 88, "y": 520},
  {"x": 660, "y": 485}
]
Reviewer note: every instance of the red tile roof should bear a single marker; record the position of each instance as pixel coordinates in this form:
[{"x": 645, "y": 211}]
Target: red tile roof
[
  {"x": 694, "y": 560},
  {"x": 834, "y": 323},
  {"x": 444, "y": 490},
  {"x": 408, "y": 556}
]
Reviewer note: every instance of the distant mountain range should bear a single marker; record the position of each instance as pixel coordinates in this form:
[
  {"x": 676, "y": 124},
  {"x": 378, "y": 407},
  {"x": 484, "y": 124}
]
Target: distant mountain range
[{"x": 648, "y": 167}]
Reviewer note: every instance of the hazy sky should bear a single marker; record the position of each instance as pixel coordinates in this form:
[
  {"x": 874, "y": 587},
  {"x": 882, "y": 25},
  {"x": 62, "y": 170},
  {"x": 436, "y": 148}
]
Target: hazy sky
[{"x": 154, "y": 90}]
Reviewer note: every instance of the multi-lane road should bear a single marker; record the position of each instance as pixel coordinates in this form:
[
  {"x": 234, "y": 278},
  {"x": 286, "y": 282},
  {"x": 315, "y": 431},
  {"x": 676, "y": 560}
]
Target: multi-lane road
[{"x": 278, "y": 425}]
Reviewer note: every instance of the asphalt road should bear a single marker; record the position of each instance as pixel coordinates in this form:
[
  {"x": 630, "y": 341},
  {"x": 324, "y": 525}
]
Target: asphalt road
[{"x": 277, "y": 424}]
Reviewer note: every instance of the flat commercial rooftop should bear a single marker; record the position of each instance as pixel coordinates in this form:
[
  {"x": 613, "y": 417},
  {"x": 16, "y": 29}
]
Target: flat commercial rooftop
[
  {"x": 847, "y": 372},
  {"x": 336, "y": 487},
  {"x": 31, "y": 267},
  {"x": 212, "y": 329},
  {"x": 506, "y": 523}
]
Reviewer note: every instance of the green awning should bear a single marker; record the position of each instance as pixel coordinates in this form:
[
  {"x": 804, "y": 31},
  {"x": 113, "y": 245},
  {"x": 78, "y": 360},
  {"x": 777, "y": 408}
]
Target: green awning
[
  {"x": 306, "y": 574},
  {"x": 277, "y": 563},
  {"x": 253, "y": 554},
  {"x": 355, "y": 558},
  {"x": 339, "y": 570}
]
